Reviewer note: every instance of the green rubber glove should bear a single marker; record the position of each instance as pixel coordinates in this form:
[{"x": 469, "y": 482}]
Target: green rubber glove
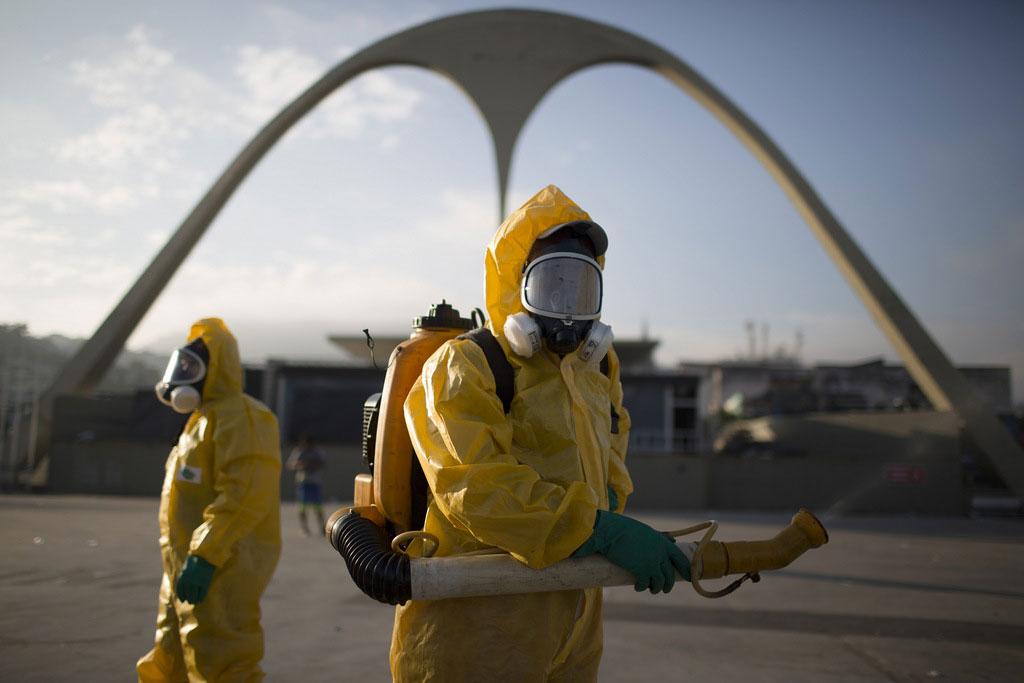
[
  {"x": 613, "y": 499},
  {"x": 194, "y": 580},
  {"x": 650, "y": 556}
]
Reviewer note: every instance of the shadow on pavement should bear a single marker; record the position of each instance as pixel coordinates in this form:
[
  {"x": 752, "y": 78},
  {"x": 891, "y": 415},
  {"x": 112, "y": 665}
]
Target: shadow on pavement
[{"x": 821, "y": 624}]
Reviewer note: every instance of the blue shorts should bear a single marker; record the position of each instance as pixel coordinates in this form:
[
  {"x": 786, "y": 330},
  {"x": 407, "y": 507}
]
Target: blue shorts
[{"x": 309, "y": 494}]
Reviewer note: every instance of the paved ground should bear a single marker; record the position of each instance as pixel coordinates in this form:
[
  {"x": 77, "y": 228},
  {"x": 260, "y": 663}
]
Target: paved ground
[{"x": 897, "y": 599}]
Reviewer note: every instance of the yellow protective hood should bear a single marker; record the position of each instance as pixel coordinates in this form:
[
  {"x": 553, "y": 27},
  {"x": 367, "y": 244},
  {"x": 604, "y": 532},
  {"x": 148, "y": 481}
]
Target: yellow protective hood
[
  {"x": 506, "y": 255},
  {"x": 224, "y": 374}
]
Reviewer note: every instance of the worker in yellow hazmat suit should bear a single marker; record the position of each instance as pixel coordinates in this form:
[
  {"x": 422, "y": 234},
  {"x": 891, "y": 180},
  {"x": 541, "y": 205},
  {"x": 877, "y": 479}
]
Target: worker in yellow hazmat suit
[
  {"x": 220, "y": 534},
  {"x": 530, "y": 482}
]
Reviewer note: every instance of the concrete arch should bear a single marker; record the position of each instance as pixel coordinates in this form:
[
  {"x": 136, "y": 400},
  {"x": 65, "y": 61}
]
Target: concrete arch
[{"x": 506, "y": 61}]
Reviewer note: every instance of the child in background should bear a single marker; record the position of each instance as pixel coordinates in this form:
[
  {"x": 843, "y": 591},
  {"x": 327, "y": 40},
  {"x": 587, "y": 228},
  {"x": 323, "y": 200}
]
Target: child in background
[{"x": 308, "y": 462}]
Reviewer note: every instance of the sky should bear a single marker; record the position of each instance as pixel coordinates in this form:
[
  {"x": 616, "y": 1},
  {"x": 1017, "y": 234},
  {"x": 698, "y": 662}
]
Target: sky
[{"x": 115, "y": 118}]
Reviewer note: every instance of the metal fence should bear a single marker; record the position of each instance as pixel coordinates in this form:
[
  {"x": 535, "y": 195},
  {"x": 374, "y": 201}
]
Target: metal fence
[{"x": 664, "y": 441}]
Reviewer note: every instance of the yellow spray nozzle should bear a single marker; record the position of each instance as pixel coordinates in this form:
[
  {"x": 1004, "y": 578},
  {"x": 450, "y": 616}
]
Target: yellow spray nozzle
[{"x": 715, "y": 559}]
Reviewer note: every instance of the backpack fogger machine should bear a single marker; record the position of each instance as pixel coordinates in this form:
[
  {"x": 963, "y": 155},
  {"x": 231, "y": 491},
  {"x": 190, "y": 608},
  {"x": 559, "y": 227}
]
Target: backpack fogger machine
[{"x": 378, "y": 533}]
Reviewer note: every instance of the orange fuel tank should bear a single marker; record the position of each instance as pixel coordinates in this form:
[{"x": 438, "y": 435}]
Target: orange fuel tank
[{"x": 398, "y": 490}]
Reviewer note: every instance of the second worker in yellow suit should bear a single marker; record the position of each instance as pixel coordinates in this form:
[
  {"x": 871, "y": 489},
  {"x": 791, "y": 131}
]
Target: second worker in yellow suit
[
  {"x": 220, "y": 531},
  {"x": 536, "y": 482}
]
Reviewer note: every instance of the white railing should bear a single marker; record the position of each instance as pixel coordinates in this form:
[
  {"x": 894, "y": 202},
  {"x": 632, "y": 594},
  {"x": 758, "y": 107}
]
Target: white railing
[{"x": 662, "y": 441}]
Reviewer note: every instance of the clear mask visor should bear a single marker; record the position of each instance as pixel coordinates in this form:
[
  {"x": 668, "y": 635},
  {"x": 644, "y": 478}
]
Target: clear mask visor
[
  {"x": 184, "y": 367},
  {"x": 563, "y": 285}
]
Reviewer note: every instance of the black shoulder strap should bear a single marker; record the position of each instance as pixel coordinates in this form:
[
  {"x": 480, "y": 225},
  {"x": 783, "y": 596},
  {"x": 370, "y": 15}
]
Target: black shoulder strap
[
  {"x": 606, "y": 370},
  {"x": 504, "y": 376}
]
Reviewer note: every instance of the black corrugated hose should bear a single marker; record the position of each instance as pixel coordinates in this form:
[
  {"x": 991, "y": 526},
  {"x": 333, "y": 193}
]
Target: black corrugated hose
[{"x": 379, "y": 571}]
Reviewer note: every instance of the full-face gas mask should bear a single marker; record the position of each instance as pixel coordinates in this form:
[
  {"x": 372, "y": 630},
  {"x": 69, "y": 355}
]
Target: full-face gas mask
[
  {"x": 562, "y": 291},
  {"x": 181, "y": 387}
]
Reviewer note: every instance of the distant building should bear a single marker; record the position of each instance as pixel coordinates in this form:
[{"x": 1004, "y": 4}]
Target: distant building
[
  {"x": 666, "y": 409},
  {"x": 28, "y": 365},
  {"x": 815, "y": 445},
  {"x": 753, "y": 388},
  {"x": 675, "y": 411},
  {"x": 358, "y": 352},
  {"x": 321, "y": 400},
  {"x": 664, "y": 403},
  {"x": 680, "y": 409}
]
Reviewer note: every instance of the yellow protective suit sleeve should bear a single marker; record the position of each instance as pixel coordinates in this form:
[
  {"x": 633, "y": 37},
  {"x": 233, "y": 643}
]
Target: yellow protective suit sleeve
[
  {"x": 463, "y": 439},
  {"x": 247, "y": 471},
  {"x": 618, "y": 475}
]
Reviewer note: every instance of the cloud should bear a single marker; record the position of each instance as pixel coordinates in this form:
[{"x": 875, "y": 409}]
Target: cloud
[
  {"x": 135, "y": 70},
  {"x": 65, "y": 196},
  {"x": 387, "y": 278},
  {"x": 56, "y": 195},
  {"x": 373, "y": 98},
  {"x": 145, "y": 131},
  {"x": 461, "y": 213},
  {"x": 274, "y": 77},
  {"x": 19, "y": 228},
  {"x": 150, "y": 149},
  {"x": 157, "y": 105}
]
